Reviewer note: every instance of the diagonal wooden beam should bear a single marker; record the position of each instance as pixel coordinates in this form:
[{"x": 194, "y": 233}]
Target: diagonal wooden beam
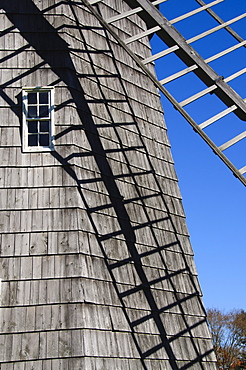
[
  {"x": 189, "y": 56},
  {"x": 220, "y": 21},
  {"x": 237, "y": 173}
]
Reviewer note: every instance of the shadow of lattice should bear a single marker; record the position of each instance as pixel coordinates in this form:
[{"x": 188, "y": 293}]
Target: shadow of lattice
[{"x": 152, "y": 282}]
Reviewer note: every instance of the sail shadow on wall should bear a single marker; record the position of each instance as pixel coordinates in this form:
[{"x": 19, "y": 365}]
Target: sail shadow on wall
[{"x": 96, "y": 258}]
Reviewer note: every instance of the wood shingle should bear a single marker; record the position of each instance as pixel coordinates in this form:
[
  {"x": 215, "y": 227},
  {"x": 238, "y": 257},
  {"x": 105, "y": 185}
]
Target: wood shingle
[{"x": 97, "y": 269}]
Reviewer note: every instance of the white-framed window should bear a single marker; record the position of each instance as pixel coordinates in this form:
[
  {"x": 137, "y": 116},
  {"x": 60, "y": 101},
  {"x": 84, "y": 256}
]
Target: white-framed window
[{"x": 38, "y": 119}]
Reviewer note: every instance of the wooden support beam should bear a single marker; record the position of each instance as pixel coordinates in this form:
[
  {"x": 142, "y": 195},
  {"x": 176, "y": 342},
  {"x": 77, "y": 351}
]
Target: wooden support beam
[
  {"x": 177, "y": 106},
  {"x": 208, "y": 60},
  {"x": 189, "y": 56},
  {"x": 210, "y": 88}
]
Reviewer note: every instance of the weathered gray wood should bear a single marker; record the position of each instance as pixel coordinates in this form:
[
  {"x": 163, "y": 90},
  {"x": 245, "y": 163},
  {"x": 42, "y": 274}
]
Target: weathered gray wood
[{"x": 96, "y": 263}]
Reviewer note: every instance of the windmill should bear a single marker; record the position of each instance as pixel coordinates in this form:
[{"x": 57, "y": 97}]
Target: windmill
[
  {"x": 97, "y": 268},
  {"x": 216, "y": 84}
]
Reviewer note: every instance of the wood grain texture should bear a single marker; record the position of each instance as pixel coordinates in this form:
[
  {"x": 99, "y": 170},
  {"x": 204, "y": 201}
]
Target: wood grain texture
[{"x": 97, "y": 269}]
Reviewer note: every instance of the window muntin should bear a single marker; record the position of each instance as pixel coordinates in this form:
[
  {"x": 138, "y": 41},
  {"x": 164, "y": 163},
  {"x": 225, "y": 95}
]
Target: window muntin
[{"x": 38, "y": 112}]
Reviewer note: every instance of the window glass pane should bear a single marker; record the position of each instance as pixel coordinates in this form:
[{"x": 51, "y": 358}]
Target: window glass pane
[
  {"x": 32, "y": 140},
  {"x": 32, "y": 127},
  {"x": 43, "y": 97},
  {"x": 37, "y": 119},
  {"x": 44, "y": 111},
  {"x": 44, "y": 126},
  {"x": 32, "y": 111},
  {"x": 44, "y": 140},
  {"x": 32, "y": 98}
]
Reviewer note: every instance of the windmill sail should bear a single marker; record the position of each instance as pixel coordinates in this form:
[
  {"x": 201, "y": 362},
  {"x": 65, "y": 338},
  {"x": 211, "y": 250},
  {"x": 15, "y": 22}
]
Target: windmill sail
[
  {"x": 214, "y": 83},
  {"x": 97, "y": 269}
]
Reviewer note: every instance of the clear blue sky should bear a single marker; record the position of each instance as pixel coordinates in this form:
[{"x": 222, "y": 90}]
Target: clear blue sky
[{"x": 214, "y": 200}]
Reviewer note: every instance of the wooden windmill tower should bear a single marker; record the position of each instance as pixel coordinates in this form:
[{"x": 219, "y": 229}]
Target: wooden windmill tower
[{"x": 97, "y": 269}]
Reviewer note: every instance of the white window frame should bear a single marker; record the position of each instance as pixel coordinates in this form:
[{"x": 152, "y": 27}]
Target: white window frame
[{"x": 26, "y": 119}]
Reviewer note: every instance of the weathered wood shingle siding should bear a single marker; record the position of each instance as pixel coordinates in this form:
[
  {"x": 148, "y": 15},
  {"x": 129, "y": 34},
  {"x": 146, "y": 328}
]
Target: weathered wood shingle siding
[{"x": 97, "y": 270}]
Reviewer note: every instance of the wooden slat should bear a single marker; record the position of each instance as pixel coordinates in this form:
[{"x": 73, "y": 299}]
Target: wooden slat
[
  {"x": 204, "y": 71},
  {"x": 226, "y": 51},
  {"x": 131, "y": 12},
  {"x": 220, "y": 20},
  {"x": 193, "y": 12},
  {"x": 54, "y": 262},
  {"x": 160, "y": 54},
  {"x": 242, "y": 170},
  {"x": 214, "y": 29},
  {"x": 211, "y": 88},
  {"x": 139, "y": 36},
  {"x": 177, "y": 75},
  {"x": 210, "y": 59},
  {"x": 155, "y": 29},
  {"x": 92, "y": 2},
  {"x": 233, "y": 141},
  {"x": 217, "y": 117},
  {"x": 149, "y": 13}
]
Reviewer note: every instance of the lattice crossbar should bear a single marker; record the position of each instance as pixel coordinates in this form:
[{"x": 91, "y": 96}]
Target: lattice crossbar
[{"x": 184, "y": 48}]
